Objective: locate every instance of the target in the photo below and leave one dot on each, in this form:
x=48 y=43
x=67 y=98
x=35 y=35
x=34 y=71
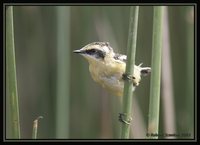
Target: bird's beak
x=77 y=51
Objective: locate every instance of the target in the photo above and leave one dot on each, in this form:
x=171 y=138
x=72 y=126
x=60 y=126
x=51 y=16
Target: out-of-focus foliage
x=93 y=113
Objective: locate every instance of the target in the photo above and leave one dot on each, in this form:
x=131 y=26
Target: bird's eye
x=91 y=51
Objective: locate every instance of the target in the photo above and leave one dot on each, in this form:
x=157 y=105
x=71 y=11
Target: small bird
x=108 y=68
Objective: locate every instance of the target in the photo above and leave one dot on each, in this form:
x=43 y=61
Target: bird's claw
x=127 y=77
x=121 y=119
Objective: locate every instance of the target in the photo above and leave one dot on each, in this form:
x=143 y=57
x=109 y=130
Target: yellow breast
x=109 y=75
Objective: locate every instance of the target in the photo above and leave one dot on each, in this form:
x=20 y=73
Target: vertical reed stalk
x=63 y=72
x=131 y=51
x=190 y=70
x=154 y=106
x=11 y=80
x=167 y=81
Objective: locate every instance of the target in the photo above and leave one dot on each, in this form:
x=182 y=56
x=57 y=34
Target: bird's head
x=96 y=51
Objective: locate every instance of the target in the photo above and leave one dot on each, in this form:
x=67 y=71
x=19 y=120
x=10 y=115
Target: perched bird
x=108 y=68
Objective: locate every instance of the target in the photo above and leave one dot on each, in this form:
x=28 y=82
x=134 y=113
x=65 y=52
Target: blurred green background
x=56 y=84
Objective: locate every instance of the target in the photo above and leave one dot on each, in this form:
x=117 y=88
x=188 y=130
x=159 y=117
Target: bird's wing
x=120 y=57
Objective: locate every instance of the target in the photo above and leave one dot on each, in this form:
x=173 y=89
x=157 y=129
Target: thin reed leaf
x=11 y=80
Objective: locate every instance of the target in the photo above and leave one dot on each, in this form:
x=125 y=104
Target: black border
x=100 y=4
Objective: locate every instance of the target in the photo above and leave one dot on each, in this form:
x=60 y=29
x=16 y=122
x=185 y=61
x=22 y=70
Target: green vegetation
x=128 y=86
x=63 y=73
x=11 y=80
x=154 y=106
